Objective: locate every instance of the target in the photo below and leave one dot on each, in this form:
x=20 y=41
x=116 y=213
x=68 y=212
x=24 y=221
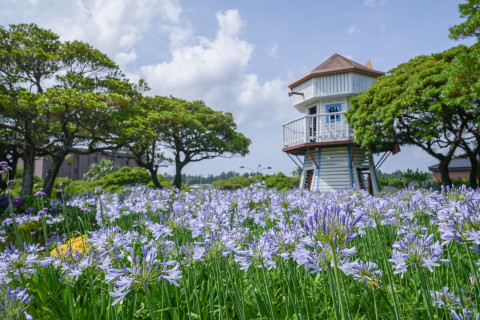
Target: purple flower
x=332 y=226
x=415 y=250
x=40 y=194
x=443 y=298
x=143 y=271
x=259 y=253
x=17 y=201
x=14 y=302
x=3 y=201
x=466 y=314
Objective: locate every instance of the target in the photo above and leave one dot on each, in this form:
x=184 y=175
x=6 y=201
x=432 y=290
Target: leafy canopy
x=471 y=26
x=192 y=132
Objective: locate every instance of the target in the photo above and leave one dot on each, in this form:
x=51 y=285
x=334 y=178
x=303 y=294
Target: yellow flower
x=75 y=244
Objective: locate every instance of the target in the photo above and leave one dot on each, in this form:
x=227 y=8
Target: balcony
x=319 y=129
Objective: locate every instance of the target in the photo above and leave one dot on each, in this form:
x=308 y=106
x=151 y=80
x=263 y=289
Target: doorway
x=308 y=179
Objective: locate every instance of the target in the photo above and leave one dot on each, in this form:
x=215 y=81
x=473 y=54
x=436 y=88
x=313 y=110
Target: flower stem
x=337 y=282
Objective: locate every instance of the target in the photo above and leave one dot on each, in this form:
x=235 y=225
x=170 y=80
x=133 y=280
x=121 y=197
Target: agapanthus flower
x=321 y=258
x=259 y=253
x=416 y=250
x=466 y=314
x=285 y=239
x=14 y=302
x=368 y=273
x=333 y=226
x=143 y=271
x=15 y=262
x=443 y=298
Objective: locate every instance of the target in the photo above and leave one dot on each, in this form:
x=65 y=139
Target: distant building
x=458 y=168
x=82 y=163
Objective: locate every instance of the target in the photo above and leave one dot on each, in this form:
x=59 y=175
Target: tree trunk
x=28 y=171
x=443 y=168
x=478 y=174
x=473 y=171
x=177 y=181
x=153 y=174
x=57 y=161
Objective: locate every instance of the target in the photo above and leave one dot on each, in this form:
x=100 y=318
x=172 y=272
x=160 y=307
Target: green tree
x=54 y=122
x=463 y=90
x=192 y=132
x=79 y=122
x=464 y=83
x=28 y=57
x=471 y=26
x=141 y=128
x=408 y=106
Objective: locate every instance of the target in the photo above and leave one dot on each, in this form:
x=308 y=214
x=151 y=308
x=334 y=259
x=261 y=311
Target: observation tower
x=320 y=139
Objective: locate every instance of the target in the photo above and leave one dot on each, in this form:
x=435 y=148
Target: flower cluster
x=144 y=270
x=14 y=302
x=14 y=262
x=416 y=250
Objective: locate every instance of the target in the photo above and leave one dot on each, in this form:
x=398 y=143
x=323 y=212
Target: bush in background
x=401 y=179
x=278 y=181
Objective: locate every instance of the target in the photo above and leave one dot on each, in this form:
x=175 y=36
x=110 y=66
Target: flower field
x=253 y=253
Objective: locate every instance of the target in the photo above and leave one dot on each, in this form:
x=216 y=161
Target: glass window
x=333 y=108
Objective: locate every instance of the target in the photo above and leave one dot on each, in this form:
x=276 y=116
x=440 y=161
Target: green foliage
x=400 y=179
x=232 y=183
x=409 y=105
x=99 y=170
x=278 y=181
x=113 y=182
x=86 y=90
x=471 y=26
x=191 y=131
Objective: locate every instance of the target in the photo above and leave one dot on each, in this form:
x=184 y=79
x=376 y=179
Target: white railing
x=324 y=127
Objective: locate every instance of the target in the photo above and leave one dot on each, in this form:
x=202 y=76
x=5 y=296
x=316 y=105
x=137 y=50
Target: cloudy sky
x=239 y=56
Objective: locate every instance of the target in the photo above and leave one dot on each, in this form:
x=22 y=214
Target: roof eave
x=332 y=71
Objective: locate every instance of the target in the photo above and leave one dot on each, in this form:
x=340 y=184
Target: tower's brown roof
x=336 y=64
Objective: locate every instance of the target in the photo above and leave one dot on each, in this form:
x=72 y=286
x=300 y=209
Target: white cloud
x=272 y=50
x=214 y=70
x=124 y=58
x=353 y=29
x=114 y=27
x=262 y=103
x=230 y=23
x=373 y=3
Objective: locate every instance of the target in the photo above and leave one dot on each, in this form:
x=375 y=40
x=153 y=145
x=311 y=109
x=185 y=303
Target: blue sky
x=239 y=56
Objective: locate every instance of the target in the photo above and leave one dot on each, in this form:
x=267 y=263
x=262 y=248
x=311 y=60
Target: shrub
x=278 y=181
x=232 y=183
x=113 y=182
x=100 y=170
